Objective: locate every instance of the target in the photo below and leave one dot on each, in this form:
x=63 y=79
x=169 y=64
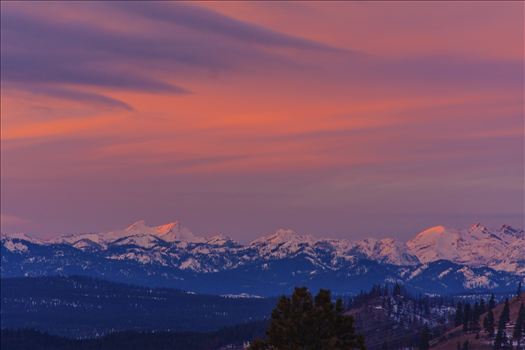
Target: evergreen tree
x=482 y=306
x=505 y=314
x=458 y=319
x=303 y=322
x=501 y=339
x=501 y=336
x=474 y=319
x=386 y=292
x=519 y=326
x=488 y=323
x=424 y=339
x=397 y=290
x=466 y=317
x=492 y=302
x=427 y=308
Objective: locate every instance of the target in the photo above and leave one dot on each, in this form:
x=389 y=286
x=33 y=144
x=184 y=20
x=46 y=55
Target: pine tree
x=501 y=339
x=505 y=314
x=488 y=323
x=519 y=326
x=501 y=336
x=424 y=339
x=304 y=322
x=386 y=292
x=458 y=319
x=397 y=289
x=492 y=302
x=474 y=319
x=482 y=306
x=466 y=317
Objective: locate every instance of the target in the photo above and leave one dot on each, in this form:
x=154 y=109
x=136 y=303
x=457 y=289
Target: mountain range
x=436 y=260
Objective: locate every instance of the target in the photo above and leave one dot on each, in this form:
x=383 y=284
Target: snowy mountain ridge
x=437 y=260
x=476 y=246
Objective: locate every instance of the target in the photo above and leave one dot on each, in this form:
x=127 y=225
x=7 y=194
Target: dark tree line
x=502 y=339
x=422 y=303
x=26 y=339
x=468 y=315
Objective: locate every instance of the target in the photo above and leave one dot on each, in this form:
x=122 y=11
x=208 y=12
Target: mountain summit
x=477 y=245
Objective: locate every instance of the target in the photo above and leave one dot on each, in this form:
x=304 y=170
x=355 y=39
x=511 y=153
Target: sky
x=338 y=119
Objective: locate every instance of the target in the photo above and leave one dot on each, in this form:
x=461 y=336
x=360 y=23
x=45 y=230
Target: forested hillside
x=230 y=338
x=486 y=327
x=85 y=307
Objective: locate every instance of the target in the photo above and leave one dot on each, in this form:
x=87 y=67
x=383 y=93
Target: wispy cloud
x=213 y=23
x=39 y=49
x=90 y=98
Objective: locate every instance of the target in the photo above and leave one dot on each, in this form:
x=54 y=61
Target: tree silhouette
x=492 y=302
x=424 y=339
x=397 y=289
x=474 y=319
x=505 y=314
x=466 y=317
x=501 y=341
x=458 y=320
x=488 y=323
x=306 y=323
x=482 y=306
x=519 y=326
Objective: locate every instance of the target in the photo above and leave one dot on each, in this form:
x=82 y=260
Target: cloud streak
x=212 y=22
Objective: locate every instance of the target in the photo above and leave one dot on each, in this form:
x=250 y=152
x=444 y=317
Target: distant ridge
x=438 y=259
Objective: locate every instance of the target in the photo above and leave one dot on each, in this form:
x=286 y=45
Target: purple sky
x=335 y=119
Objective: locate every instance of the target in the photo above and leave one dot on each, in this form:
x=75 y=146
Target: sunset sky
x=336 y=119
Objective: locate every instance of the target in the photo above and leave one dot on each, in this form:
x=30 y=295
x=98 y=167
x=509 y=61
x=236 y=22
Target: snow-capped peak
x=477 y=245
x=283 y=236
x=511 y=231
x=169 y=227
x=478 y=229
x=385 y=250
x=140 y=227
x=14 y=242
x=136 y=227
x=174 y=232
x=431 y=233
x=435 y=243
x=218 y=240
x=138 y=233
x=283 y=243
x=170 y=232
x=19 y=236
